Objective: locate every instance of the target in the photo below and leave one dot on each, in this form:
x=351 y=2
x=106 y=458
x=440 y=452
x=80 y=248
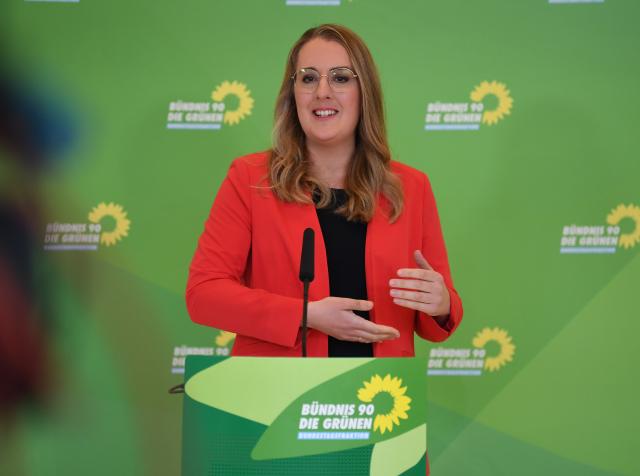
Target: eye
x=341 y=76
x=307 y=78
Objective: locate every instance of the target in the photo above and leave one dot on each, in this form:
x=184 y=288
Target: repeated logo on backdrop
x=222 y=347
x=490 y=102
x=107 y=225
x=492 y=349
x=229 y=103
x=621 y=230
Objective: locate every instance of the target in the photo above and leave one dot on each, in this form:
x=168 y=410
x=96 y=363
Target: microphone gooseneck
x=307 y=267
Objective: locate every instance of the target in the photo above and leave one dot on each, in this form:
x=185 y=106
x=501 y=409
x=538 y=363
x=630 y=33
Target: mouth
x=325 y=112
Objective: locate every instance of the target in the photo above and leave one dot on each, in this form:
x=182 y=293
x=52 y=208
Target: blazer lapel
x=298 y=218
x=385 y=252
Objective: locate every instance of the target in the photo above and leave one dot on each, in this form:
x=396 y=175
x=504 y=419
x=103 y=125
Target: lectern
x=291 y=416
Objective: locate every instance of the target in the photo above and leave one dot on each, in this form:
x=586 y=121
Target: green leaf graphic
x=235 y=385
x=397 y=455
x=285 y=437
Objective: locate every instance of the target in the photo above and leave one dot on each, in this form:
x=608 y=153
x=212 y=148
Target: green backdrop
x=523 y=114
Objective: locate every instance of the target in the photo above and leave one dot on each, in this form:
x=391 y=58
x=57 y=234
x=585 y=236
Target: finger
x=412 y=296
x=354 y=304
x=428 y=287
x=424 y=274
x=367 y=337
x=418 y=306
x=421 y=260
x=363 y=325
x=417 y=284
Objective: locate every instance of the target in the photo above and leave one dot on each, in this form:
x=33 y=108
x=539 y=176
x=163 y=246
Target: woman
x=379 y=248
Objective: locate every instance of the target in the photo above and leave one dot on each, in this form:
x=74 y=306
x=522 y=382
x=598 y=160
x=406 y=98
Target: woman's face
x=327 y=117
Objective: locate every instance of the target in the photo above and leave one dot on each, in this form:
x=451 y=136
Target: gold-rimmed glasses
x=340 y=79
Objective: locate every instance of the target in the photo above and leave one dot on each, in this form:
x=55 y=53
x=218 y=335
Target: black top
x=344 y=242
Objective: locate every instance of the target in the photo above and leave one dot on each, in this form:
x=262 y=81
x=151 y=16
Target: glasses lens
x=341 y=78
x=307 y=79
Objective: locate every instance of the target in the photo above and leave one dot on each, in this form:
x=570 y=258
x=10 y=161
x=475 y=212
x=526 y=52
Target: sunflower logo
x=224 y=338
x=245 y=101
x=499 y=336
x=500 y=91
x=392 y=388
x=627 y=240
x=118 y=214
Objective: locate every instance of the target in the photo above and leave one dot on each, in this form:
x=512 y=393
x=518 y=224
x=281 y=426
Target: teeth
x=325 y=113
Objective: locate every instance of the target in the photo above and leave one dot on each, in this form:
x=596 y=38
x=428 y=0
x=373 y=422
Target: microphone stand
x=306 y=276
x=305 y=304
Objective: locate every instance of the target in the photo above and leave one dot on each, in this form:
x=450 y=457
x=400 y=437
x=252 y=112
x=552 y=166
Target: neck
x=329 y=163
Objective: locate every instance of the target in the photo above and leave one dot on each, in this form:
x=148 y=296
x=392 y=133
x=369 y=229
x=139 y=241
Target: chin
x=325 y=139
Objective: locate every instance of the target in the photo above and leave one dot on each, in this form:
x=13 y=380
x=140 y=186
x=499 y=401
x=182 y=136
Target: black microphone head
x=306 y=258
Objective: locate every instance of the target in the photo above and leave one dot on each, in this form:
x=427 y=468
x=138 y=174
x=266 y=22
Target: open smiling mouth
x=325 y=112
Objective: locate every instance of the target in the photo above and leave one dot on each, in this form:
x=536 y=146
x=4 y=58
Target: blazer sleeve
x=434 y=250
x=217 y=294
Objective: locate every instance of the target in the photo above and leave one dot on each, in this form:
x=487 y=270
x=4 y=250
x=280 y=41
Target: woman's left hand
x=421 y=288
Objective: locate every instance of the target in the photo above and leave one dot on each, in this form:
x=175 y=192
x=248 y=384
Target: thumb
x=421 y=260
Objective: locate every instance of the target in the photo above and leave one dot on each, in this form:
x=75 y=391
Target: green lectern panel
x=278 y=416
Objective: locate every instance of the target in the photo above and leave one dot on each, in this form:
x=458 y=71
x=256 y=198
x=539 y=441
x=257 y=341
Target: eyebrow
x=333 y=67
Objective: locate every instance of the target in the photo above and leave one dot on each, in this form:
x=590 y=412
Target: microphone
x=306 y=258
x=306 y=276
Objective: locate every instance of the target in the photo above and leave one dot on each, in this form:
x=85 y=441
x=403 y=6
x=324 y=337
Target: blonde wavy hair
x=369 y=170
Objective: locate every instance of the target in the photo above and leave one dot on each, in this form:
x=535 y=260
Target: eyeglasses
x=340 y=79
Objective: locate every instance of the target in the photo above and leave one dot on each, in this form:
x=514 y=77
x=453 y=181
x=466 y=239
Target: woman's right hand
x=334 y=316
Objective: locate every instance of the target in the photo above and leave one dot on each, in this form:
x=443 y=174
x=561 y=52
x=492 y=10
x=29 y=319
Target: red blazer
x=244 y=274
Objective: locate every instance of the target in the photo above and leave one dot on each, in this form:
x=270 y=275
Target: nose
x=324 y=88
